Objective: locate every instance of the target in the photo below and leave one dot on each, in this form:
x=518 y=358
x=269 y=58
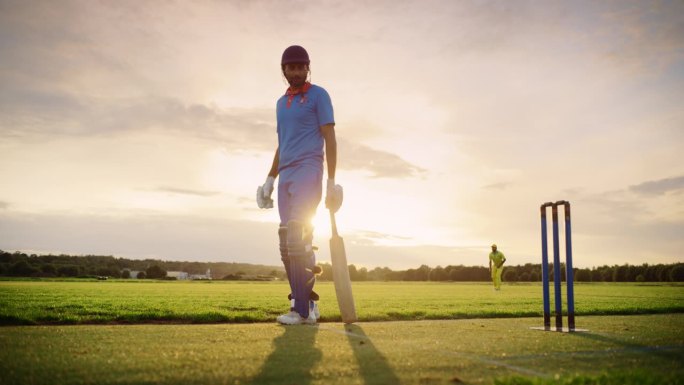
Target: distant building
x=134 y=274
x=201 y=276
x=179 y=275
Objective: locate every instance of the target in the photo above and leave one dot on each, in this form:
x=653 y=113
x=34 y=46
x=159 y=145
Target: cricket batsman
x=305 y=123
x=496 y=261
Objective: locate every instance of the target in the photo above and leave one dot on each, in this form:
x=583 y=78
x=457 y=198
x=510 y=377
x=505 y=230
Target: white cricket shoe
x=293 y=318
x=313 y=310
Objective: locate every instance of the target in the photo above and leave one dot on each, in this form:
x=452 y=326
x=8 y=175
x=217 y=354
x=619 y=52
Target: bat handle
x=333 y=223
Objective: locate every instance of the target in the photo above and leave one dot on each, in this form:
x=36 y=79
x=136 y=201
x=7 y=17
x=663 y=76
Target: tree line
x=19 y=264
x=24 y=265
x=529 y=272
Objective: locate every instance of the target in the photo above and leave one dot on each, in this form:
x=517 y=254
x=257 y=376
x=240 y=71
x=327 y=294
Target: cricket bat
x=340 y=271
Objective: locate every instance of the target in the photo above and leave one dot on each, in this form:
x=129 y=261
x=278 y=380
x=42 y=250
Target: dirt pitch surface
x=472 y=351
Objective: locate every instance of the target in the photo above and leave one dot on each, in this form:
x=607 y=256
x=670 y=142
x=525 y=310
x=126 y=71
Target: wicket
x=569 y=279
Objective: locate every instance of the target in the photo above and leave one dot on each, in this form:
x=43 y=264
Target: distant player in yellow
x=497 y=259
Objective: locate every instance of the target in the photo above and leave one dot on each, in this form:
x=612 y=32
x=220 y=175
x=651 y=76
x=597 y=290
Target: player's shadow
x=373 y=366
x=292 y=359
x=632 y=346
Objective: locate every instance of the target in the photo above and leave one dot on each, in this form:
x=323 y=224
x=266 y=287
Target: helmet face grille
x=295 y=54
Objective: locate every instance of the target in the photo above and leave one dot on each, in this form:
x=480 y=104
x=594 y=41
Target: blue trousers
x=299 y=193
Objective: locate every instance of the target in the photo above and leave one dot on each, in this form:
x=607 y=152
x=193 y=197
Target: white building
x=134 y=273
x=179 y=275
x=201 y=276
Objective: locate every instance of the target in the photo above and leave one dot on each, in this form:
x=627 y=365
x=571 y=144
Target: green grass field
x=124 y=301
x=619 y=349
x=138 y=332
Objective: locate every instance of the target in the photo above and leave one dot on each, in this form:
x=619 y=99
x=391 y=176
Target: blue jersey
x=299 y=122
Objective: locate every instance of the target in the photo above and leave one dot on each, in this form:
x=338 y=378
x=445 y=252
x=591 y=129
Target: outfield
x=446 y=333
x=125 y=301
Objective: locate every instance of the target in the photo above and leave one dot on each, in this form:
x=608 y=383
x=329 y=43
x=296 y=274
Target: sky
x=142 y=129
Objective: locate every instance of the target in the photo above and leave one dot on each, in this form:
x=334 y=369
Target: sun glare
x=368 y=213
x=371 y=214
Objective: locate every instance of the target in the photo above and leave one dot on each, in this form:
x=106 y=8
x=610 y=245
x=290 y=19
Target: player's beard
x=296 y=81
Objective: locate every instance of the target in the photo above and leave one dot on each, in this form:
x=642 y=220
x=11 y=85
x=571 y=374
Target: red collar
x=296 y=91
x=291 y=92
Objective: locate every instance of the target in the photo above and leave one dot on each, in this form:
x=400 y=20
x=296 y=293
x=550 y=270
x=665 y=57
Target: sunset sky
x=142 y=129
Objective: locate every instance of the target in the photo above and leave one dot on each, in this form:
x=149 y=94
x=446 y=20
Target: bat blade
x=340 y=271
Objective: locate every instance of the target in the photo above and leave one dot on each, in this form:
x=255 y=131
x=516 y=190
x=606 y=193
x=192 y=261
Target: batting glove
x=334 y=194
x=263 y=196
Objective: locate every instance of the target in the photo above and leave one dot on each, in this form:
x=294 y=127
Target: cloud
x=243 y=129
x=641 y=215
x=497 y=186
x=380 y=164
x=642 y=36
x=410 y=257
x=374 y=238
x=4 y=205
x=188 y=191
x=659 y=187
x=29 y=114
x=94 y=86
x=235 y=128
x=144 y=235
x=615 y=207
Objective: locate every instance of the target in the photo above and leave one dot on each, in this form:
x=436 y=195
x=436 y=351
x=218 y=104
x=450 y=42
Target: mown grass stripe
x=468 y=356
x=86 y=302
